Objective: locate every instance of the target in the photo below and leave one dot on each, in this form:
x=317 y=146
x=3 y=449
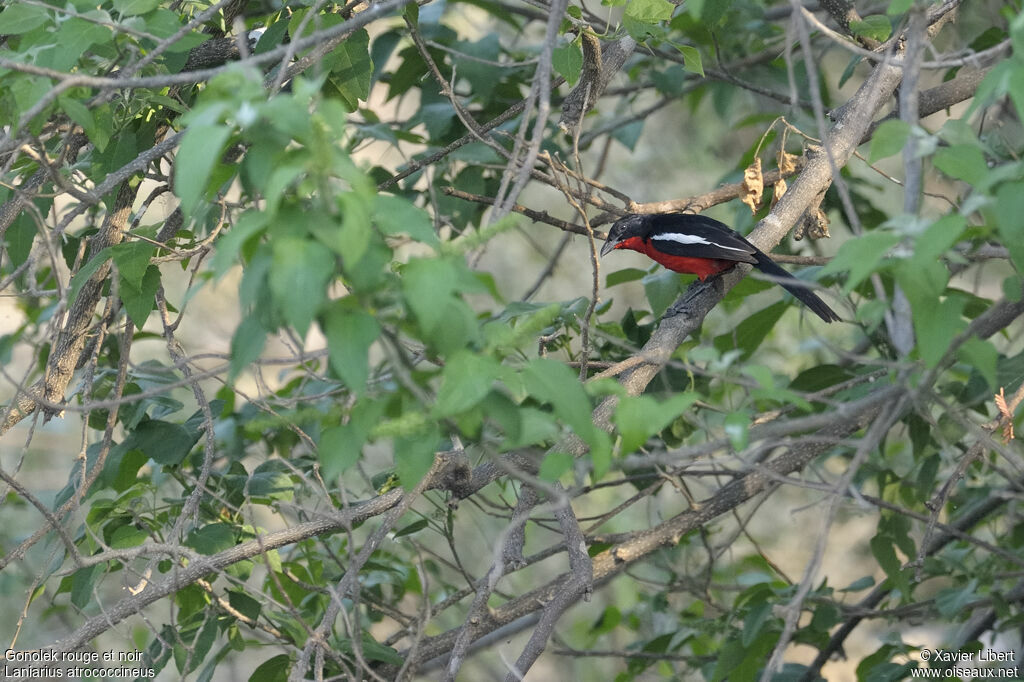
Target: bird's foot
x=684 y=304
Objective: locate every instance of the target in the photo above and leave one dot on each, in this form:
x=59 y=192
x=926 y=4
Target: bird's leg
x=684 y=304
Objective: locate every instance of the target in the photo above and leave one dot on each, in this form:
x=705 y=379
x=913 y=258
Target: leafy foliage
x=269 y=284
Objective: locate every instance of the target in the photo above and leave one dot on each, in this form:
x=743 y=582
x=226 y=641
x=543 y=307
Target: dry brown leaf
x=1006 y=413
x=753 y=186
x=787 y=162
x=778 y=189
x=1000 y=399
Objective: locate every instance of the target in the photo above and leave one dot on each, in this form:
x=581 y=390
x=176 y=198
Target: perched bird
x=702 y=246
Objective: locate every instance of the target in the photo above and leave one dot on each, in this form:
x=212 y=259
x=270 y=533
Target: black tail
x=795 y=287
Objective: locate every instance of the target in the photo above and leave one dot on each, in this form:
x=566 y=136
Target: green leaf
x=476 y=66
x=1012 y=288
x=163 y=442
x=298 y=21
x=983 y=357
x=936 y=325
x=103 y=130
x=501 y=334
x=139 y=302
x=608 y=621
x=351 y=68
x=650 y=11
x=82 y=582
x=270 y=482
x=640 y=417
x=550 y=381
x=38 y=592
x=350 y=332
x=567 y=60
x=85 y=273
x=355 y=233
x=1008 y=210
x=74 y=38
x=755 y=620
x=128 y=536
x=737 y=429
x=341 y=446
x=885 y=554
x=897 y=527
x=623 y=276
x=413 y=527
x=132 y=260
x=127 y=473
x=710 y=12
x=953 y=601
x=164 y=23
x=923 y=281
x=897 y=7
x=200 y=150
x=395 y=215
x=7 y=342
x=81 y=115
x=860 y=257
x=19 y=238
x=820 y=377
x=876 y=27
x=889 y=139
x=430 y=287
x=412 y=13
x=128 y=8
x=337 y=451
x=409 y=424
x=277 y=182
x=860 y=584
x=373 y=651
x=203 y=642
x=248 y=225
x=212 y=538
x=691 y=59
x=414 y=455
x=749 y=333
x=554 y=465
x=244 y=604
x=246 y=345
x=662 y=288
x=851 y=68
x=298 y=279
x=640 y=31
x=274 y=669
x=963 y=162
x=468 y=379
x=18 y=18
x=534 y=427
x=938 y=238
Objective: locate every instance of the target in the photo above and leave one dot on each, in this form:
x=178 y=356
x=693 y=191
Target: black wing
x=697 y=236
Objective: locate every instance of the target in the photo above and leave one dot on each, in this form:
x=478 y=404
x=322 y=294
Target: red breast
x=702 y=267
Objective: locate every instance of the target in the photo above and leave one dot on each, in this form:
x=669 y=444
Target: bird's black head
x=632 y=225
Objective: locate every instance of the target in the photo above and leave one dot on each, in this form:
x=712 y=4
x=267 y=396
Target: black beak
x=608 y=247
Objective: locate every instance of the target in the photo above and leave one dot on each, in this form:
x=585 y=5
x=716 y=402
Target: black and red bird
x=698 y=245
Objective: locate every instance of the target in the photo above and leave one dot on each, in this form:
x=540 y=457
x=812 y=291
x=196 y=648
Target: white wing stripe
x=693 y=239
